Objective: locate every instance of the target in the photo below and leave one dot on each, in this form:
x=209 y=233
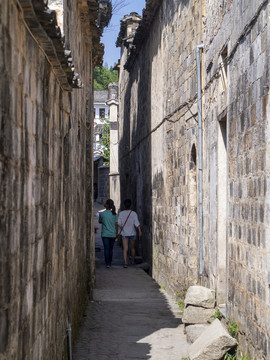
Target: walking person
x=128 y=223
x=109 y=229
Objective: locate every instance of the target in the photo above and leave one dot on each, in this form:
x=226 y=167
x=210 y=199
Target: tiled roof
x=100 y=96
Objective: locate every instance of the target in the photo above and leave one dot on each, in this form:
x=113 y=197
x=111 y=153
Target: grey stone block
x=195 y=331
x=212 y=344
x=197 y=315
x=200 y=296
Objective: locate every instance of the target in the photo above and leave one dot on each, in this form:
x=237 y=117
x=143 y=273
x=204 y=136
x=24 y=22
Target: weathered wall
x=44 y=180
x=243 y=104
x=135 y=166
x=159 y=152
x=158 y=171
x=103 y=183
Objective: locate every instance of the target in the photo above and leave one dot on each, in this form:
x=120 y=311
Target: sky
x=110 y=34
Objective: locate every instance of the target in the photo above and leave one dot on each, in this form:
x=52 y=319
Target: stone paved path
x=130 y=317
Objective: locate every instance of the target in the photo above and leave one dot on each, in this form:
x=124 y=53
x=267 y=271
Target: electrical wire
x=215 y=76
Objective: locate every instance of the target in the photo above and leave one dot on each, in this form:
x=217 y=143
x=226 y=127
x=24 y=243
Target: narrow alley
x=130 y=316
x=165 y=106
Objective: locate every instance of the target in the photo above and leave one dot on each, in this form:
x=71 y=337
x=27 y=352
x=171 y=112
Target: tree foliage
x=103 y=76
x=105 y=141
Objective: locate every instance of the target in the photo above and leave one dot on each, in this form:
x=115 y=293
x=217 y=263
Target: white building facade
x=101 y=114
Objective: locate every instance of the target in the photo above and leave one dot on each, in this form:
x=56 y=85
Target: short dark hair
x=127 y=203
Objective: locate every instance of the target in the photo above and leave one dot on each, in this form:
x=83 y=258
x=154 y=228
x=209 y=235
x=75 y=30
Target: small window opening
x=193 y=157
x=224 y=60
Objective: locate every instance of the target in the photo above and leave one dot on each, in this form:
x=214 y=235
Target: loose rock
x=195 y=331
x=200 y=296
x=197 y=315
x=212 y=344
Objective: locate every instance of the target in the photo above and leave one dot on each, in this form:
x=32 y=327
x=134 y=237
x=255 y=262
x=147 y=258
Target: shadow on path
x=130 y=317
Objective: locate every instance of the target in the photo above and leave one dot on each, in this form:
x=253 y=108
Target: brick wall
x=159 y=152
x=244 y=105
x=43 y=186
x=158 y=171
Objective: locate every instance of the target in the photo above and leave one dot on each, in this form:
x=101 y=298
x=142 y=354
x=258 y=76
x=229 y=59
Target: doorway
x=222 y=197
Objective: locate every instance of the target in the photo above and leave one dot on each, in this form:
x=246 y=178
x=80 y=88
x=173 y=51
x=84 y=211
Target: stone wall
x=159 y=151
x=157 y=134
x=45 y=180
x=103 y=183
x=241 y=108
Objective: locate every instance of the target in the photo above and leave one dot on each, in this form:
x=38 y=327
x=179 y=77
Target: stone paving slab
x=130 y=317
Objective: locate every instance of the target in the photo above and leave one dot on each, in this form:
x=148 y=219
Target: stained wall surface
x=157 y=134
x=159 y=152
x=236 y=48
x=45 y=132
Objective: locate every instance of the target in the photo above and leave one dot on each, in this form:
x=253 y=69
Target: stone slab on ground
x=197 y=315
x=212 y=344
x=130 y=317
x=200 y=296
x=195 y=331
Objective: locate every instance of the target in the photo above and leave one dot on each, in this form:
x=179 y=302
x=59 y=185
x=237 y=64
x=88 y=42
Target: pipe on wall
x=199 y=91
x=69 y=342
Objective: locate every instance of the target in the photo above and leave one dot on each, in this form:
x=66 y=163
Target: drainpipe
x=69 y=342
x=199 y=91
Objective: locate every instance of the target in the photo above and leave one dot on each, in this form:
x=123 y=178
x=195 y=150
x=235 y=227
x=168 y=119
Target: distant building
x=106 y=177
x=101 y=111
x=101 y=171
x=114 y=144
x=101 y=179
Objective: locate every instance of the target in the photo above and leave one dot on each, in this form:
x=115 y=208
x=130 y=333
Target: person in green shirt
x=109 y=229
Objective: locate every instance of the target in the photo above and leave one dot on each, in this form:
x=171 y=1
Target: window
x=224 y=56
x=193 y=157
x=102 y=113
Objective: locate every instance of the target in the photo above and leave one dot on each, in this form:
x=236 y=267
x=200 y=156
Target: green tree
x=105 y=141
x=103 y=76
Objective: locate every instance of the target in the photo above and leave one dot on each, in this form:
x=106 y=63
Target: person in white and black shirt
x=128 y=222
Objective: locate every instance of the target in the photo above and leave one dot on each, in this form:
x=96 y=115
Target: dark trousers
x=108 y=249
